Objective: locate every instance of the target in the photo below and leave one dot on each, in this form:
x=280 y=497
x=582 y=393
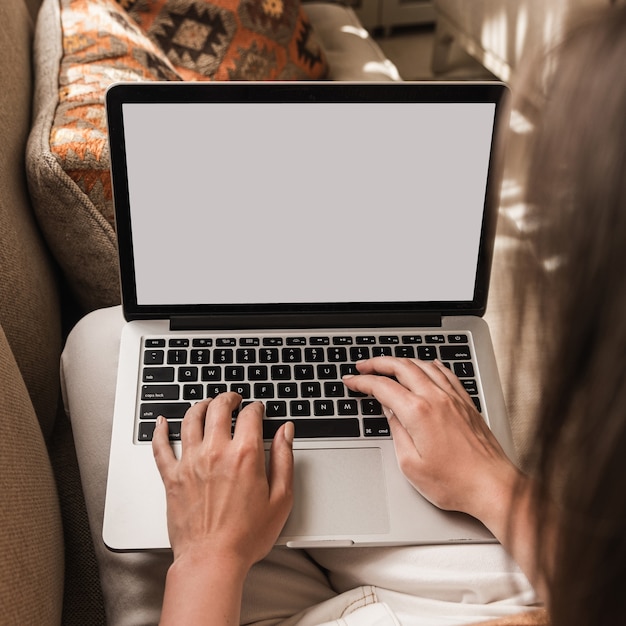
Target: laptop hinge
x=305 y=320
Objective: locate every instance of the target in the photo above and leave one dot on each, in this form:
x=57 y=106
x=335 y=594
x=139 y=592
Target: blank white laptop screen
x=272 y=203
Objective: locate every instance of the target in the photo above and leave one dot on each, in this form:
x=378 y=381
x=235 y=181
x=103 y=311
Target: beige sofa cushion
x=31 y=536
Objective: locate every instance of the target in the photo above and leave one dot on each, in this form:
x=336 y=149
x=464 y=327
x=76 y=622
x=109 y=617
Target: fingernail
x=289 y=432
x=346 y=376
x=160 y=420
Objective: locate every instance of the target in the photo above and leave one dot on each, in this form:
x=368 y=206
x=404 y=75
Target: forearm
x=203 y=590
x=511 y=517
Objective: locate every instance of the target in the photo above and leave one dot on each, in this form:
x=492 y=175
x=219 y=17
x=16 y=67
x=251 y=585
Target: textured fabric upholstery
x=31 y=537
x=29 y=313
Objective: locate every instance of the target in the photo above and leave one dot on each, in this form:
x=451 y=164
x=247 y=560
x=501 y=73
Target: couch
x=49 y=573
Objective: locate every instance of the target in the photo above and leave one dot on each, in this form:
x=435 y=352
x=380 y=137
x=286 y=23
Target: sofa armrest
x=352 y=54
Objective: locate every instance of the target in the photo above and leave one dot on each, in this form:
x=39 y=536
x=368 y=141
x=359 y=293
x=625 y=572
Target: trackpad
x=338 y=492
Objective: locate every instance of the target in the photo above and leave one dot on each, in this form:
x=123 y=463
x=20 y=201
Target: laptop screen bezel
x=305 y=92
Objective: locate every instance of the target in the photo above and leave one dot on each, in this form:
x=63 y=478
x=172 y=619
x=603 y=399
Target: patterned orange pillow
x=232 y=39
x=101 y=45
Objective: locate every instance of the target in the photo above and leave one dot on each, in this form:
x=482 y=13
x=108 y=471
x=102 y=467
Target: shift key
x=169 y=410
x=160 y=392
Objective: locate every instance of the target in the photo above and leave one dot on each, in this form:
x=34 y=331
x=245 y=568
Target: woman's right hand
x=444 y=447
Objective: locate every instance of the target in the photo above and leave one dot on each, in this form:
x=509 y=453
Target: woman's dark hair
x=576 y=188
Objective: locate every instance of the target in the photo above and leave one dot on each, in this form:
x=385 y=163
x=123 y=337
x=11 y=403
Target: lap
x=473 y=582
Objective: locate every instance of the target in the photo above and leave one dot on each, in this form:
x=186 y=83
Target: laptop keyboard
x=296 y=376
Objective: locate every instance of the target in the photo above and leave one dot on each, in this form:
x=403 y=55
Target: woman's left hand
x=220 y=498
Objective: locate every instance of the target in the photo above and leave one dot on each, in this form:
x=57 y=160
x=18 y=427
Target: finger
x=453 y=379
x=161 y=448
x=389 y=392
x=249 y=423
x=281 y=468
x=219 y=418
x=192 y=428
x=415 y=375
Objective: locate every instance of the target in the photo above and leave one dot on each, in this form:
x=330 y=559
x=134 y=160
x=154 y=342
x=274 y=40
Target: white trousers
x=425 y=585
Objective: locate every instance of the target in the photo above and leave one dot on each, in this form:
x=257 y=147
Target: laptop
x=271 y=235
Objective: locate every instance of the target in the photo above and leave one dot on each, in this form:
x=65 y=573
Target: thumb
x=281 y=467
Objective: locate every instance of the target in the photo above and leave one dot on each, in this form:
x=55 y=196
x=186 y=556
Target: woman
x=564 y=527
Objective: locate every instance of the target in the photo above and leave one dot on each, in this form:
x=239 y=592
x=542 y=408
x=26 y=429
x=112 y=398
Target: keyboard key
x=268 y=355
x=463 y=369
x=314 y=355
x=412 y=339
x=303 y=372
x=457 y=338
x=178 y=343
x=287 y=390
x=263 y=391
x=348 y=369
x=455 y=353
x=292 y=355
x=370 y=406
x=234 y=372
x=426 y=353
x=381 y=351
x=202 y=342
x=326 y=372
x=319 y=341
x=169 y=410
x=153 y=357
x=311 y=390
x=158 y=375
x=476 y=402
x=315 y=428
x=281 y=372
x=160 y=392
x=272 y=341
x=435 y=339
x=334 y=390
x=389 y=339
x=226 y=341
x=246 y=355
x=154 y=343
x=323 y=408
x=470 y=386
x=365 y=340
x=359 y=353
x=347 y=407
x=146 y=430
x=213 y=373
x=187 y=374
x=296 y=341
x=299 y=408
x=249 y=341
x=257 y=372
x=212 y=391
x=192 y=392
x=275 y=408
x=177 y=357
x=199 y=356
x=337 y=355
x=406 y=352
x=342 y=341
x=243 y=389
x=222 y=355
x=376 y=427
